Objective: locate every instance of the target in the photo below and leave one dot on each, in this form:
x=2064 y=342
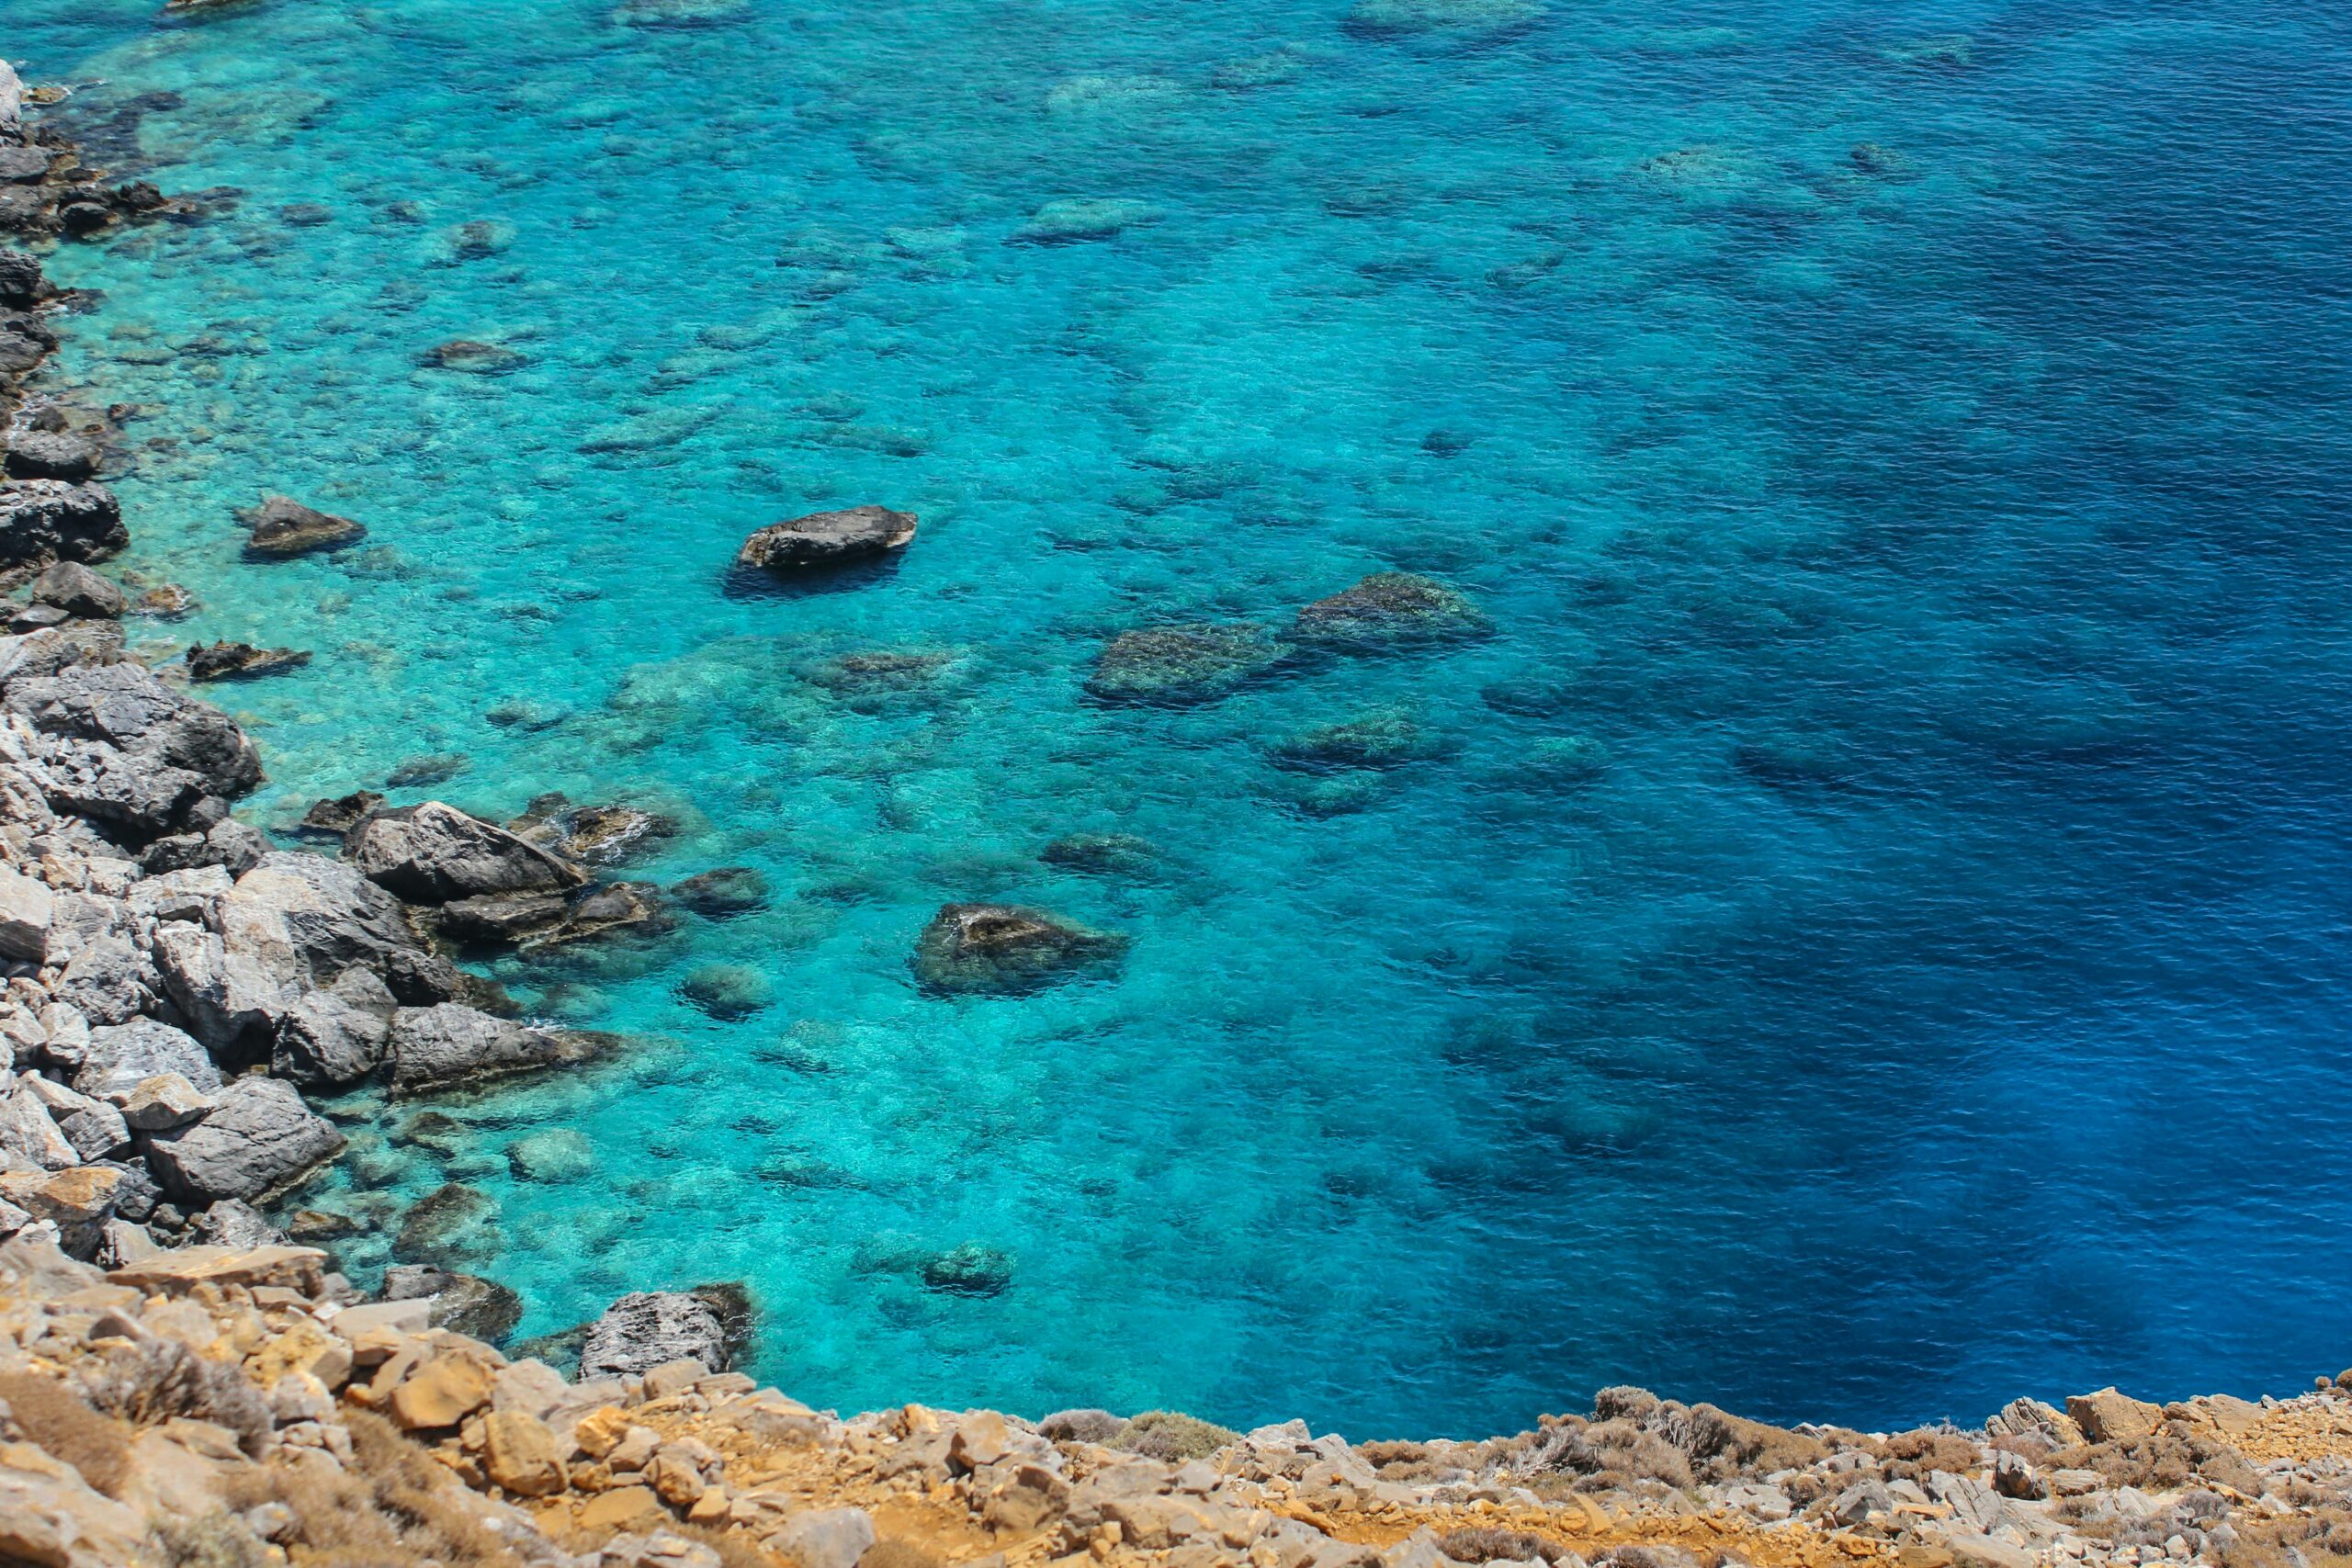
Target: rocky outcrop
x=281 y=528
x=651 y=1328
x=51 y=520
x=434 y=1047
x=827 y=538
x=1005 y=949
x=128 y=750
x=257 y=1138
x=74 y=587
x=433 y=853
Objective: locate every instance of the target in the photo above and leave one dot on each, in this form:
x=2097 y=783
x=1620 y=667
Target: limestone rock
x=519 y=1454
x=48 y=520
x=77 y=589
x=121 y=1058
x=2108 y=1417
x=78 y=1202
x=233 y=1001
x=827 y=538
x=306 y=920
x=325 y=1041
x=824 y=1538
x=26 y=909
x=29 y=1134
x=452 y=1043
x=183 y=1269
x=464 y=1304
x=646 y=1328
x=432 y=854
x=123 y=707
x=443 y=1391
x=240 y=660
x=259 y=1137
x=284 y=527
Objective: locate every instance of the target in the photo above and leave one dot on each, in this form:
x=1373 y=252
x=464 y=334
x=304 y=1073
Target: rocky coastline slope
x=183 y=1383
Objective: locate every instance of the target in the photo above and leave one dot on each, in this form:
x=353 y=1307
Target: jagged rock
x=166 y=601
x=122 y=1057
x=464 y=1304
x=258 y=1138
x=452 y=1043
x=50 y=455
x=970 y=948
x=646 y=1328
x=1390 y=608
x=119 y=717
x=335 y=818
x=21 y=284
x=241 y=660
x=74 y=587
x=104 y=982
x=31 y=1134
x=283 y=527
x=232 y=1000
x=47 y=520
x=2108 y=1417
x=166 y=1100
x=325 y=1041
x=78 y=1202
x=443 y=1391
x=595 y=835
x=234 y=1224
x=827 y=538
x=1186 y=663
x=308 y=920
x=26 y=908
x=95 y=1129
x=433 y=853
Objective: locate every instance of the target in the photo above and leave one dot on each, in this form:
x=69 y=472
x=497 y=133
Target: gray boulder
x=131 y=750
x=453 y=1043
x=646 y=1328
x=121 y=1058
x=77 y=589
x=105 y=982
x=825 y=1538
x=325 y=1041
x=29 y=1136
x=233 y=1223
x=463 y=1303
x=305 y=919
x=256 y=1140
x=47 y=520
x=433 y=853
x=50 y=455
x=827 y=538
x=232 y=1001
x=26 y=908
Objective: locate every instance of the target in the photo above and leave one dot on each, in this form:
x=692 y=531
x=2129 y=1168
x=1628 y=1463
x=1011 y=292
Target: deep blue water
x=1905 y=444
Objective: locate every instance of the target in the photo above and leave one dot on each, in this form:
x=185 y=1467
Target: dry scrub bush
x=1491 y=1543
x=1915 y=1455
x=53 y=1416
x=896 y=1554
x=149 y=1382
x=394 y=1508
x=1172 y=1437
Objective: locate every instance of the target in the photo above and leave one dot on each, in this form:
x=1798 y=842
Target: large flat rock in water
x=827 y=538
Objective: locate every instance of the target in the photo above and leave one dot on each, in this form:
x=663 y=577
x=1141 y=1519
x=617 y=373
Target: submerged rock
x=727 y=991
x=463 y=1303
x=1077 y=218
x=452 y=1223
x=675 y=13
x=433 y=852
x=1390 y=608
x=335 y=818
x=562 y=1155
x=970 y=1269
x=167 y=601
x=474 y=357
x=1102 y=854
x=1005 y=949
x=1184 y=662
x=593 y=835
x=423 y=773
x=1374 y=741
x=827 y=538
x=723 y=891
x=241 y=660
x=1381 y=17
x=283 y=527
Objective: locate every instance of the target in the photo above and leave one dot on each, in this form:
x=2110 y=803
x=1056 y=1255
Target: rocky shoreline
x=181 y=1382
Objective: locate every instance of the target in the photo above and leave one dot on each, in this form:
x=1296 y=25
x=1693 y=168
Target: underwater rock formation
x=1004 y=949
x=1183 y=663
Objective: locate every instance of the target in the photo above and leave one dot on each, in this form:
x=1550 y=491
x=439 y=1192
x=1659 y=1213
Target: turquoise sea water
x=1863 y=937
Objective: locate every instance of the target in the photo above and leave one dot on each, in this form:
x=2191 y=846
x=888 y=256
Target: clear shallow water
x=1939 y=995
